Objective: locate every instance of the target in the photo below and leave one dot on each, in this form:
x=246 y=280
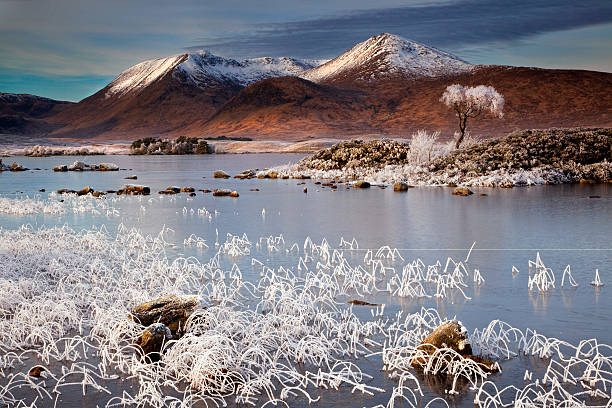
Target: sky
x=69 y=49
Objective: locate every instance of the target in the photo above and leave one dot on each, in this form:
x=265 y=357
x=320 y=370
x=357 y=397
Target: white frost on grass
x=65 y=297
x=72 y=204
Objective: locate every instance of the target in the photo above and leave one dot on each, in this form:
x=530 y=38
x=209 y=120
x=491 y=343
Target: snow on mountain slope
x=387 y=54
x=203 y=68
x=143 y=74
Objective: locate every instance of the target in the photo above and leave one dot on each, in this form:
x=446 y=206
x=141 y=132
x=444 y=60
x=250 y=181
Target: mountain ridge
x=385 y=85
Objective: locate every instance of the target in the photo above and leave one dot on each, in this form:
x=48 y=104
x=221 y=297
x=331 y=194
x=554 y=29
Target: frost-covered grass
x=52 y=205
x=552 y=156
x=278 y=335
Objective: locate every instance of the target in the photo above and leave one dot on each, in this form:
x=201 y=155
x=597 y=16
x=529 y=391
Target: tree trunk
x=462 y=125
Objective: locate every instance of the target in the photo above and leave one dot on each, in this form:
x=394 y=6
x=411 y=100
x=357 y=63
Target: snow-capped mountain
x=203 y=69
x=385 y=55
x=386 y=84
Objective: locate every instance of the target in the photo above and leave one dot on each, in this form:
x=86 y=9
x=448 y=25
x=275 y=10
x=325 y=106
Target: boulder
x=61 y=167
x=220 y=174
x=401 y=186
x=172 y=311
x=205 y=191
x=305 y=190
x=192 y=194
x=452 y=335
x=187 y=189
x=171 y=190
x=131 y=178
x=36 y=371
x=42 y=190
x=78 y=166
x=234 y=194
x=462 y=191
x=361 y=184
x=153 y=338
x=65 y=191
x=98 y=194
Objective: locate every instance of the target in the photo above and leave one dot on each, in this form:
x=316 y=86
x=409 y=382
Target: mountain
x=26 y=114
x=385 y=85
x=159 y=96
x=294 y=109
x=387 y=56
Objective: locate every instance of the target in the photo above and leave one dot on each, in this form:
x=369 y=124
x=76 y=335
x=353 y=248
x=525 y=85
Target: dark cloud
x=449 y=25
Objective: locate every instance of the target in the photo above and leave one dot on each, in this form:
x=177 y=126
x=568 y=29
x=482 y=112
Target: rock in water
x=36 y=371
x=220 y=174
x=17 y=167
x=400 y=186
x=361 y=184
x=454 y=336
x=462 y=191
x=152 y=339
x=450 y=335
x=187 y=189
x=107 y=167
x=85 y=191
x=173 y=311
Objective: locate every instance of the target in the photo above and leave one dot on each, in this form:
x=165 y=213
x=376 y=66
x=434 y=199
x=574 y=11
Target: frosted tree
x=471 y=102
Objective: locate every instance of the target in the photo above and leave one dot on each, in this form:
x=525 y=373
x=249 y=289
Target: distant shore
x=219 y=147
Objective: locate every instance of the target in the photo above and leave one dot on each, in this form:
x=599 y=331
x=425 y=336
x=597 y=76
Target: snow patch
x=390 y=54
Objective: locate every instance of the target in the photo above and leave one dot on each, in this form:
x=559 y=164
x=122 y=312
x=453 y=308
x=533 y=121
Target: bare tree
x=470 y=102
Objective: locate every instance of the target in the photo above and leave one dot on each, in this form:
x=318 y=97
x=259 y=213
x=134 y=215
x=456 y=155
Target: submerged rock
x=247 y=174
x=462 y=191
x=225 y=193
x=401 y=186
x=132 y=189
x=84 y=191
x=173 y=311
x=361 y=184
x=220 y=174
x=17 y=167
x=36 y=371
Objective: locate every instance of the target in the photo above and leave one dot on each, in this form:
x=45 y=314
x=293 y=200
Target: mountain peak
x=388 y=54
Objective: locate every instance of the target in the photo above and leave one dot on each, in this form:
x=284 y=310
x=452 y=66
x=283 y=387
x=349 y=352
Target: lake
x=508 y=226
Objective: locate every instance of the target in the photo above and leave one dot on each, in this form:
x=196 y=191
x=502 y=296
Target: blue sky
x=67 y=49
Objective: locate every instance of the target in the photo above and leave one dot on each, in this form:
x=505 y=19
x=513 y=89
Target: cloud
x=447 y=25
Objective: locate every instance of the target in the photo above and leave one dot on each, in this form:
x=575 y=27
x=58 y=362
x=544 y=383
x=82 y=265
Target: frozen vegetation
x=53 y=205
x=182 y=145
x=529 y=157
x=65 y=298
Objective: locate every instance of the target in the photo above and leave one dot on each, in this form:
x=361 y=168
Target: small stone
x=401 y=186
x=220 y=174
x=462 y=191
x=36 y=371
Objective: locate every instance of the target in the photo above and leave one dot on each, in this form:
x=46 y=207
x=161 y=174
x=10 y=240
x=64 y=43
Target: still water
x=509 y=226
